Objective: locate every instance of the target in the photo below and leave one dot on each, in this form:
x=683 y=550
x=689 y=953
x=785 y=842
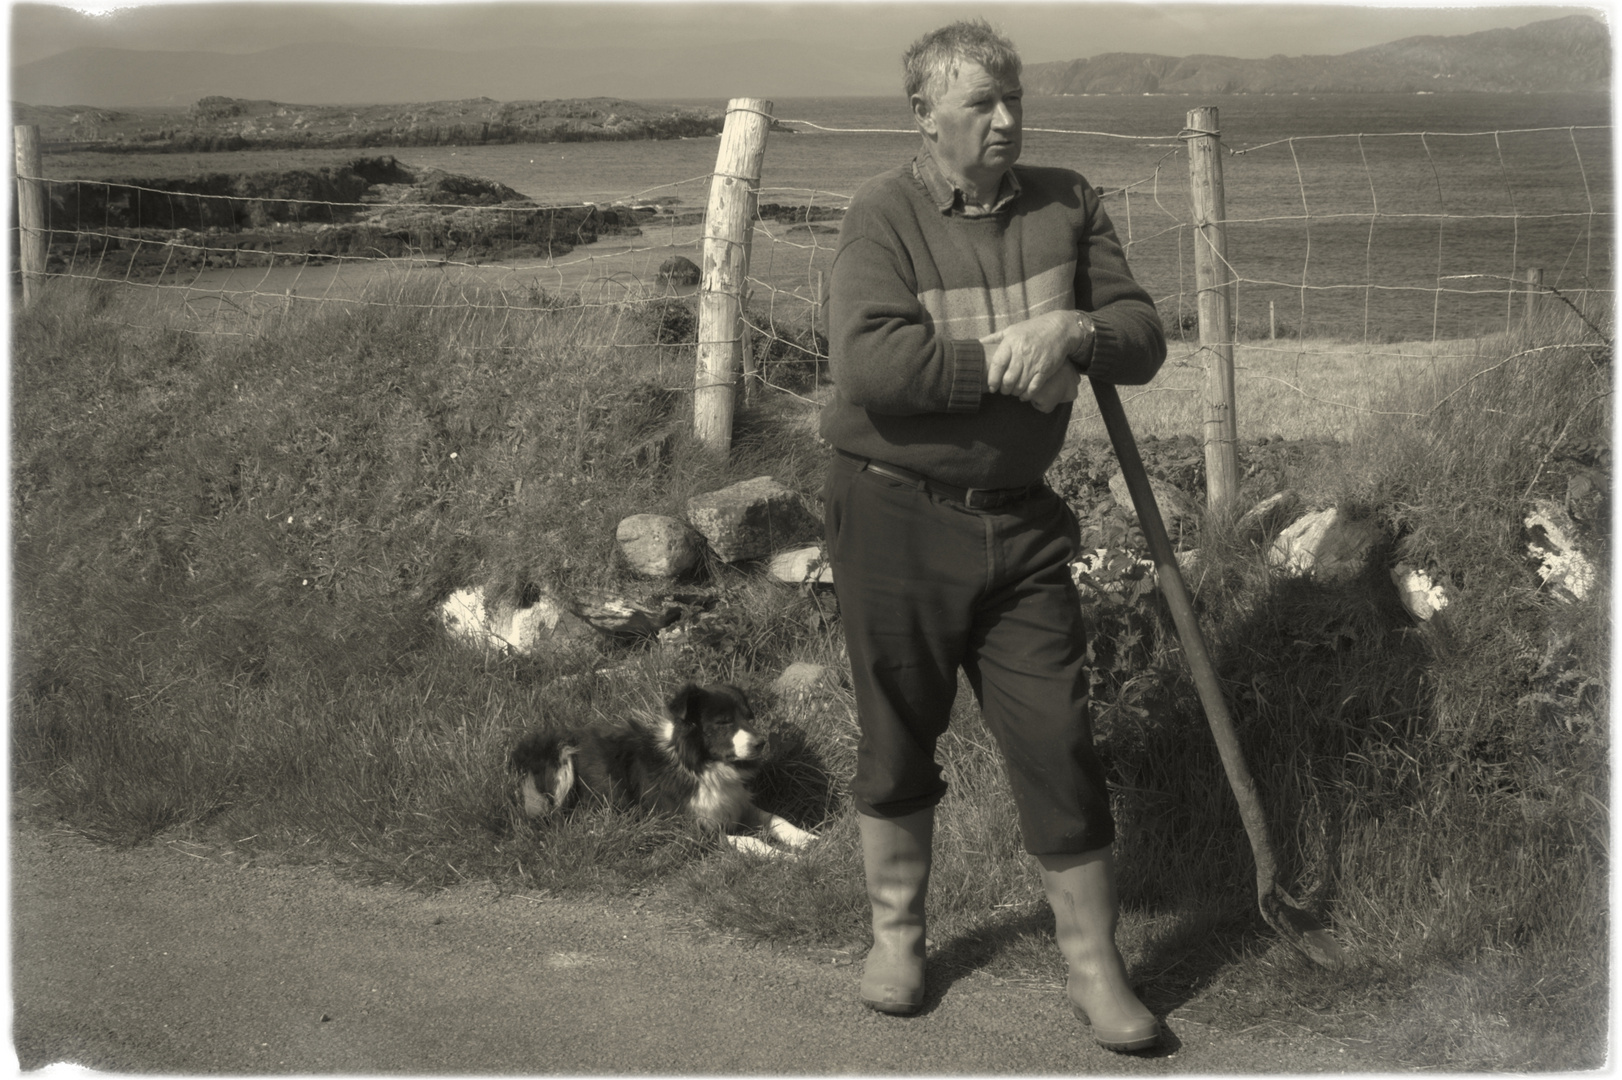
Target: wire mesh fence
x=1403 y=245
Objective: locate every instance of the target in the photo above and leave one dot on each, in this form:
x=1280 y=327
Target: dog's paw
x=750 y=845
x=792 y=835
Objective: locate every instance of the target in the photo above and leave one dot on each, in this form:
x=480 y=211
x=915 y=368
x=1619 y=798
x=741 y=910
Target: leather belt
x=973 y=498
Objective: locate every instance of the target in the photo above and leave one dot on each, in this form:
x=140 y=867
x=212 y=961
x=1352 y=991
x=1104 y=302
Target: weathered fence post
x=728 y=224
x=31 y=238
x=1534 y=293
x=1212 y=276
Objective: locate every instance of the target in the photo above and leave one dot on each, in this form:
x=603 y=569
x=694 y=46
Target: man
x=968 y=298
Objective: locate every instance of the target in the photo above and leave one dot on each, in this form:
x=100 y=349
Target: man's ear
x=923 y=114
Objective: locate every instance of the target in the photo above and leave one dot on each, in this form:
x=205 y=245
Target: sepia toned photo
x=810 y=538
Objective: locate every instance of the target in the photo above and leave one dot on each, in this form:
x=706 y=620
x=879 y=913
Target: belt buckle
x=972 y=501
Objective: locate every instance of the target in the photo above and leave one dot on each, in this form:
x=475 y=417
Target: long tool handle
x=1188 y=631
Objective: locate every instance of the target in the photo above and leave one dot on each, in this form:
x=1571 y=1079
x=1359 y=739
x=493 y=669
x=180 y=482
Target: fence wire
x=1403 y=248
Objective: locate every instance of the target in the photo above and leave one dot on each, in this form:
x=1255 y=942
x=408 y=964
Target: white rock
x=525 y=630
x=801 y=566
x=462 y=615
x=1328 y=545
x=1421 y=594
x=1552 y=541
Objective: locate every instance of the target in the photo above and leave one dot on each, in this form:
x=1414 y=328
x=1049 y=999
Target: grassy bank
x=228 y=552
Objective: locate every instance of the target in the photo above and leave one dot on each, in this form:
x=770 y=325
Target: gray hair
x=929 y=63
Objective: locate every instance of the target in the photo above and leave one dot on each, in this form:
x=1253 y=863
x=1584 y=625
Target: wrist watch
x=1084 y=357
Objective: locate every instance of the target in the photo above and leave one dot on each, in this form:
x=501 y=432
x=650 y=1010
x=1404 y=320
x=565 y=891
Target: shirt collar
x=949 y=198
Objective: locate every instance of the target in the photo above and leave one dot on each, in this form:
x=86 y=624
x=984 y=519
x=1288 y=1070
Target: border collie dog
x=697 y=760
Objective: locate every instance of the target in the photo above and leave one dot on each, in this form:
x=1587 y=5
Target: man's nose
x=1004 y=118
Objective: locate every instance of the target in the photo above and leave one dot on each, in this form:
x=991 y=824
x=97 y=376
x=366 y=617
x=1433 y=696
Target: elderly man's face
x=975 y=126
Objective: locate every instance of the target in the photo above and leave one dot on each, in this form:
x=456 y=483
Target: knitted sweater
x=916 y=284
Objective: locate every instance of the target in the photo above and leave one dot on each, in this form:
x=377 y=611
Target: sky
x=38 y=31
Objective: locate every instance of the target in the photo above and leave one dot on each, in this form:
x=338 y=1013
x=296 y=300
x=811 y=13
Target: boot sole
x=1123 y=1044
x=893 y=1008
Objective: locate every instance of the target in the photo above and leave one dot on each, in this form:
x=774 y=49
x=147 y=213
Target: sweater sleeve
x=885 y=351
x=1129 y=343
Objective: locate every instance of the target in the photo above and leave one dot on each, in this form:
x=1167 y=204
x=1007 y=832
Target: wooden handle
x=1188 y=632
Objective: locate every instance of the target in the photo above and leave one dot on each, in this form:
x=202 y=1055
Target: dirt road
x=153 y=960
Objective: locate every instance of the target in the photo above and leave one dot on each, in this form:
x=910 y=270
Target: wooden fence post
x=1534 y=293
x=31 y=234
x=1212 y=277
x=728 y=225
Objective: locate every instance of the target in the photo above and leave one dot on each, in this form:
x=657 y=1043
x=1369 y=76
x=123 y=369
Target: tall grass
x=228 y=552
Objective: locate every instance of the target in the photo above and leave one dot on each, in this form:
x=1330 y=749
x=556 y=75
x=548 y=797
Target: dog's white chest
x=720 y=796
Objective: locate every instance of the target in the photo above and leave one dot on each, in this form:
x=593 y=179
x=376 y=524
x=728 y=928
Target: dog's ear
x=687 y=706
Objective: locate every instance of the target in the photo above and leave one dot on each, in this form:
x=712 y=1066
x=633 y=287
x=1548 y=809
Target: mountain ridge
x=1555 y=55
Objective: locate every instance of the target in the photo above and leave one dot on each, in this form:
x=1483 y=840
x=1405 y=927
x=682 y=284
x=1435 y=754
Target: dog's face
x=720 y=718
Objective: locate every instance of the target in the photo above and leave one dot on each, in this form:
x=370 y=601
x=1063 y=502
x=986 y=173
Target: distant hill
x=222 y=123
x=1569 y=54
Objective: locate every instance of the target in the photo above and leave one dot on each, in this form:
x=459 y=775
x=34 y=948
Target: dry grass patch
x=1311 y=389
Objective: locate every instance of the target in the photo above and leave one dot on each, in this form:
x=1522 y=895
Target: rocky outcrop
x=370 y=208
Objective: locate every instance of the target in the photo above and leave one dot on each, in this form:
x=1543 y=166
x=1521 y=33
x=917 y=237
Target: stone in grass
x=1552 y=541
x=1262 y=521
x=1179 y=512
x=752 y=519
x=1330 y=546
x=549 y=625
x=617 y=617
x=801 y=679
x=680 y=270
x=1421 y=593
x=546 y=625
x=658 y=546
x=802 y=566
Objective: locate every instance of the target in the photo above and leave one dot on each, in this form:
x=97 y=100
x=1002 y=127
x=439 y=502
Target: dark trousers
x=925 y=586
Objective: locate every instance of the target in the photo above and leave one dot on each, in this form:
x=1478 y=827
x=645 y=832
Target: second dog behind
x=697 y=760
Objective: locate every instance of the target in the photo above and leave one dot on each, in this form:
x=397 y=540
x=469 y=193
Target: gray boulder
x=1180 y=513
x=1262 y=521
x=801 y=680
x=752 y=519
x=680 y=270
x=657 y=546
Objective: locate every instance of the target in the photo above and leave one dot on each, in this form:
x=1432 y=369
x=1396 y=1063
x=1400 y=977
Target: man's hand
x=1021 y=358
x=1058 y=388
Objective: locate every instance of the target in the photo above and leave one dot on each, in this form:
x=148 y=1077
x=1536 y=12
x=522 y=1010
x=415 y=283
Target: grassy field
x=228 y=551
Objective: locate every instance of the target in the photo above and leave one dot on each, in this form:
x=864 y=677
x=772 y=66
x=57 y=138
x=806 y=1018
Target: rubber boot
x=896 y=855
x=1081 y=889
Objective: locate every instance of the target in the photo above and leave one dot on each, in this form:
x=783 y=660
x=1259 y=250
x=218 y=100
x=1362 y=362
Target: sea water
x=1365 y=215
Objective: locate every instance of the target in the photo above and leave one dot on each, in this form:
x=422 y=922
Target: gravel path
x=154 y=960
